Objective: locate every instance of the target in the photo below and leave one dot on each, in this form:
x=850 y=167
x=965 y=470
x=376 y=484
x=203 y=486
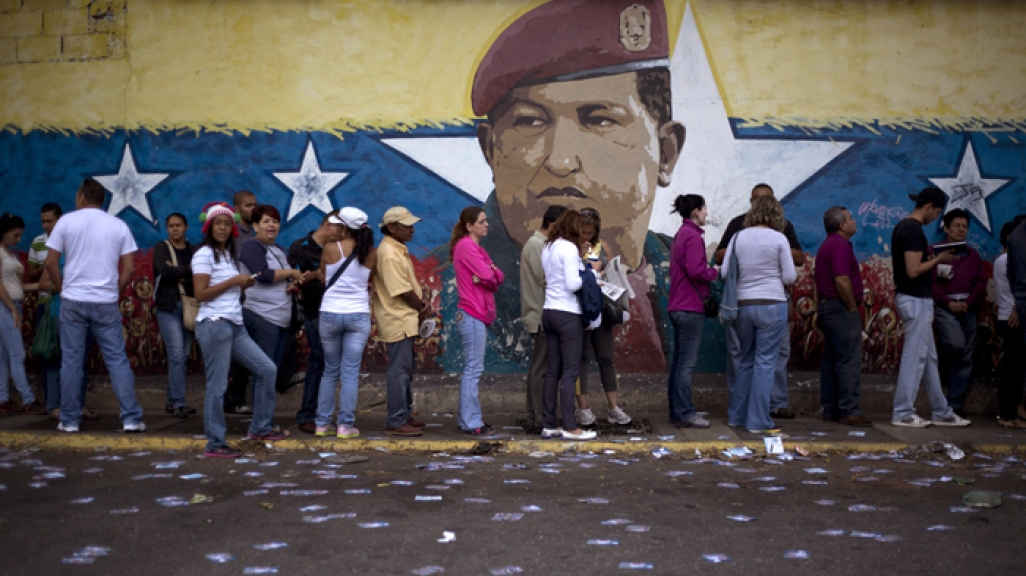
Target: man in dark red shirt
x=958 y=288
x=839 y=286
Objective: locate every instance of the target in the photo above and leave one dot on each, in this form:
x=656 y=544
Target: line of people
x=242 y=297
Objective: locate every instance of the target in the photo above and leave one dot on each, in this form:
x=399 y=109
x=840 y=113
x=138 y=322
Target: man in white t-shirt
x=94 y=243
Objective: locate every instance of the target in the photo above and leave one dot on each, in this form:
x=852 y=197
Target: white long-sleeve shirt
x=764 y=263
x=562 y=265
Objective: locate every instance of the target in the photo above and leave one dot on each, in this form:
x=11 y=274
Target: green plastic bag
x=47 y=344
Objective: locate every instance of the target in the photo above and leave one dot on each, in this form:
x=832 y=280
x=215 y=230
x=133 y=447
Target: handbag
x=190 y=305
x=47 y=344
x=729 y=308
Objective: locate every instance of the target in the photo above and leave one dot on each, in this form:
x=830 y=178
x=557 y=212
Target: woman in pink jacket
x=477 y=279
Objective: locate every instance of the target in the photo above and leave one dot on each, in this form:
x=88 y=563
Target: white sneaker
x=70 y=428
x=584 y=435
x=134 y=427
x=552 y=433
x=618 y=416
x=912 y=421
x=585 y=417
x=954 y=421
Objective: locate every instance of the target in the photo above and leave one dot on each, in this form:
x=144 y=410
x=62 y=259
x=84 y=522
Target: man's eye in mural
x=528 y=121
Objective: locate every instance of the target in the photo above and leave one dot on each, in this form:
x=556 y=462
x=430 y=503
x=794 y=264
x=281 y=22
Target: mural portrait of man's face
x=595 y=142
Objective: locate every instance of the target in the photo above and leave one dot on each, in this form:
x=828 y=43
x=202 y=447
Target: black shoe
x=184 y=412
x=785 y=412
x=826 y=418
x=169 y=408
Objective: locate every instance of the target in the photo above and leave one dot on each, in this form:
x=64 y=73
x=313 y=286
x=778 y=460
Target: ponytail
x=364 y=237
x=469 y=215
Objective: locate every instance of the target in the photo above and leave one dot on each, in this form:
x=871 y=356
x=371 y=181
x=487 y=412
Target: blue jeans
x=687 y=337
x=12 y=357
x=956 y=341
x=221 y=342
x=178 y=344
x=344 y=337
x=270 y=338
x=841 y=366
x=475 y=336
x=314 y=371
x=78 y=320
x=760 y=329
x=918 y=359
x=778 y=396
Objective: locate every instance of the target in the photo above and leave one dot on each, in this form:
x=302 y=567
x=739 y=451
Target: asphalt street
x=577 y=513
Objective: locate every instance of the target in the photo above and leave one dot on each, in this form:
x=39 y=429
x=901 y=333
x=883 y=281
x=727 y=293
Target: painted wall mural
x=376 y=104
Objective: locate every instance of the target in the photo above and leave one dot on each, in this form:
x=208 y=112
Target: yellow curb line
x=134 y=442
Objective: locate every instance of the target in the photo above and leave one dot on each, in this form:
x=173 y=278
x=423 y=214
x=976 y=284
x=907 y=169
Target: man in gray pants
x=532 y=299
x=399 y=304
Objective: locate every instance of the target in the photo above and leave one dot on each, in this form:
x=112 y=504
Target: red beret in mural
x=572 y=40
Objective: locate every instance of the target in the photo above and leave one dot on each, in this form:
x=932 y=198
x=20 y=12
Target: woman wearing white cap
x=345 y=319
x=218 y=284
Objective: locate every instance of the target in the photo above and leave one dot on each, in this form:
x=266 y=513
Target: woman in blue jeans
x=344 y=320
x=218 y=286
x=690 y=276
x=12 y=348
x=477 y=279
x=172 y=261
x=765 y=266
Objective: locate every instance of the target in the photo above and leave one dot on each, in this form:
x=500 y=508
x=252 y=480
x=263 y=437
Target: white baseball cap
x=350 y=218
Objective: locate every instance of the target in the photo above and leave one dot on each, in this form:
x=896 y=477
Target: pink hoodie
x=477 y=299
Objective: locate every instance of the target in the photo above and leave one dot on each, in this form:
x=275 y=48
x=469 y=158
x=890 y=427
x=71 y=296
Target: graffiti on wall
x=556 y=124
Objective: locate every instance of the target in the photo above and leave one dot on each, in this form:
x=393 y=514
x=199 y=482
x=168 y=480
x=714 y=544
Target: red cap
x=572 y=40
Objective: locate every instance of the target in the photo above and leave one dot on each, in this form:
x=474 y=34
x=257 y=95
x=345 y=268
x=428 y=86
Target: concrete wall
x=855 y=103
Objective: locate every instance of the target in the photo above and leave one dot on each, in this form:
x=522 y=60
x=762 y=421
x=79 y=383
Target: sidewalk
x=648 y=432
x=505 y=393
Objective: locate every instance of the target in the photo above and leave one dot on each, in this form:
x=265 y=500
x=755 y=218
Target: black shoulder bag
x=341 y=269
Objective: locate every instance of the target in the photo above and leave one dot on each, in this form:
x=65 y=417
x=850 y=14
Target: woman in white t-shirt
x=1013 y=347
x=765 y=266
x=563 y=325
x=345 y=319
x=12 y=348
x=267 y=312
x=218 y=285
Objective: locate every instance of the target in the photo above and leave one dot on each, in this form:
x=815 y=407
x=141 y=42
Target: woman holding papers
x=599 y=339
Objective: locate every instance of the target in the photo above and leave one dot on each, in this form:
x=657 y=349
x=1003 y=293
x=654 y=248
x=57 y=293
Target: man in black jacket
x=305 y=255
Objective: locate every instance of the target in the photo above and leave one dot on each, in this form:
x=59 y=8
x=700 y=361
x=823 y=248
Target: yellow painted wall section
x=329 y=65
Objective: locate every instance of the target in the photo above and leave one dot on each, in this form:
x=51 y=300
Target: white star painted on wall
x=458 y=161
x=969 y=190
x=714 y=163
x=128 y=188
x=310 y=186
